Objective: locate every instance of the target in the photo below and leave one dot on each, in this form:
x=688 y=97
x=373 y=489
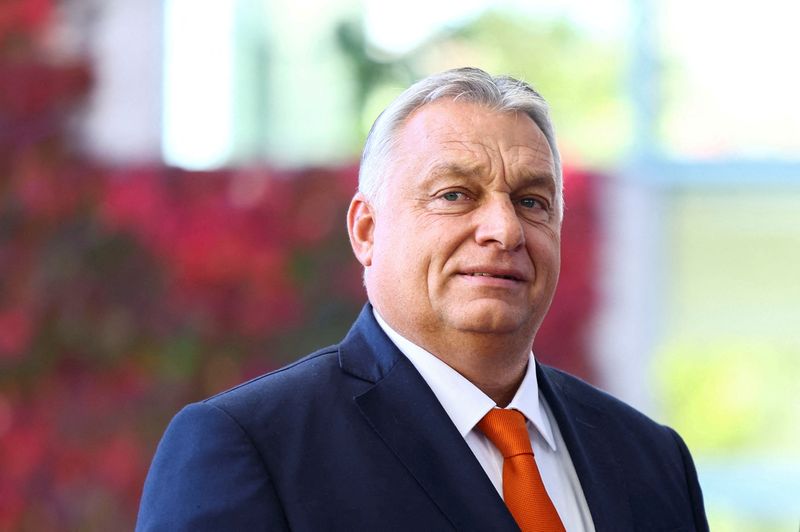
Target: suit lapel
x=406 y=415
x=585 y=430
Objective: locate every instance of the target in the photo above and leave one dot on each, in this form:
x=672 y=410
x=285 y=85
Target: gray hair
x=500 y=93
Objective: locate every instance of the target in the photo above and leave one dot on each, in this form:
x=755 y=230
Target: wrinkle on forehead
x=476 y=171
x=491 y=147
x=471 y=144
x=512 y=161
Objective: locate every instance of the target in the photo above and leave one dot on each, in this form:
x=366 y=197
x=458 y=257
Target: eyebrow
x=456 y=169
x=473 y=171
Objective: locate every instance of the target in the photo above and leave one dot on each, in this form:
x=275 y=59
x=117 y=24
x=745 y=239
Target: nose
x=498 y=224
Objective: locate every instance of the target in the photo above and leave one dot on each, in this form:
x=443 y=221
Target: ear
x=361 y=228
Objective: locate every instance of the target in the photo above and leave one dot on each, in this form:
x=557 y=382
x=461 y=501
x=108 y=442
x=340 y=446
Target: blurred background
x=174 y=176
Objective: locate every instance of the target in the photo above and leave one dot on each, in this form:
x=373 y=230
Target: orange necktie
x=523 y=490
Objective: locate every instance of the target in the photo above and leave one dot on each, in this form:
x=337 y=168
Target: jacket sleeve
x=695 y=494
x=208 y=475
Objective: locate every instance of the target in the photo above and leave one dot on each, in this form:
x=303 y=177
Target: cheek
x=400 y=257
x=545 y=251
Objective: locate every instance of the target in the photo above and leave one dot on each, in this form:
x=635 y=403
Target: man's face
x=465 y=237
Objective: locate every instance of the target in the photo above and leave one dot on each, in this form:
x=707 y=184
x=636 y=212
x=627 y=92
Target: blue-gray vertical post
x=632 y=272
x=644 y=82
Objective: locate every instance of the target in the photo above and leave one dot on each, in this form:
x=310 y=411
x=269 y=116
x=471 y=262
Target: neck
x=496 y=368
x=494 y=363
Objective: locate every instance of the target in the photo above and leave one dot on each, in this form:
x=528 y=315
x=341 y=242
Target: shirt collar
x=527 y=401
x=464 y=402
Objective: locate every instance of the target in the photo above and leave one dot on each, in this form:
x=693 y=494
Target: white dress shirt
x=466 y=405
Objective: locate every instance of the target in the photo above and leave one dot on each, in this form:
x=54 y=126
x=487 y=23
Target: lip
x=493 y=273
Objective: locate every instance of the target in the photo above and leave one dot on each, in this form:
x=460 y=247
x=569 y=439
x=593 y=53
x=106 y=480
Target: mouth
x=510 y=276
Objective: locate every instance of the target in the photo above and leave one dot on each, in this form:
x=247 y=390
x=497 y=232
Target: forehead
x=448 y=133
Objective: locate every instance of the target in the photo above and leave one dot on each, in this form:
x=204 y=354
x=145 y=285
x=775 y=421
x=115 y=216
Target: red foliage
x=563 y=339
x=23 y=18
x=230 y=256
x=127 y=293
x=15 y=332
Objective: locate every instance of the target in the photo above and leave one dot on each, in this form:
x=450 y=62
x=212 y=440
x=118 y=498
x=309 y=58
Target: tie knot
x=507 y=431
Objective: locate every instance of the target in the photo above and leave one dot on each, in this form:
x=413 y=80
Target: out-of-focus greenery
x=730 y=398
x=728 y=373
x=581 y=76
x=737 y=407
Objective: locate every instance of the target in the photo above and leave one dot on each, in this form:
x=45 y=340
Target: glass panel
x=198 y=58
x=731 y=78
x=729 y=367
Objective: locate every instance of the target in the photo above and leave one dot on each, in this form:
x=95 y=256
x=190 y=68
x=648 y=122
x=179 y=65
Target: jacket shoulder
x=290 y=383
x=576 y=389
x=652 y=458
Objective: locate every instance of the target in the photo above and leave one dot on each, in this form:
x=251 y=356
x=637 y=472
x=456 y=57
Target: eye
x=532 y=203
x=452 y=196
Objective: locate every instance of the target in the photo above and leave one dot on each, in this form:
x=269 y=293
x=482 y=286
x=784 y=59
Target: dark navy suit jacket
x=351 y=438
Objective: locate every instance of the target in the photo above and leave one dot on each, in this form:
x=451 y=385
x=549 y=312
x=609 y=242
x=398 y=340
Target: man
x=432 y=414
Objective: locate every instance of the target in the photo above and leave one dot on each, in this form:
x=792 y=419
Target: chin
x=492 y=319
